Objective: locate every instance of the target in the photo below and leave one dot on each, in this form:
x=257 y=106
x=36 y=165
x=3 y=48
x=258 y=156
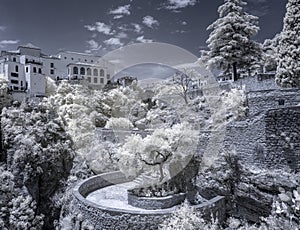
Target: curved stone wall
x=155 y=202
x=113 y=218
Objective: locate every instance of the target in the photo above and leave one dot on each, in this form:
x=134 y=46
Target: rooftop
x=29 y=45
x=77 y=53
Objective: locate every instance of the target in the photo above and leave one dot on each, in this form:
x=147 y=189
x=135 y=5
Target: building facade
x=27 y=68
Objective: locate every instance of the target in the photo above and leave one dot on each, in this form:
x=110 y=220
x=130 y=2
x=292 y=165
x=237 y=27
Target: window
x=27 y=69
x=95 y=80
x=101 y=80
x=65 y=58
x=72 y=59
x=21 y=83
x=89 y=71
x=34 y=69
x=82 y=71
x=92 y=61
x=51 y=65
x=95 y=72
x=75 y=70
x=17 y=68
x=108 y=76
x=14 y=74
x=40 y=70
x=14 y=59
x=85 y=60
x=52 y=71
x=280 y=102
x=16 y=88
x=14 y=82
x=89 y=79
x=101 y=72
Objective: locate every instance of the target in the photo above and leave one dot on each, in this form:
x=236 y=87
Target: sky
x=100 y=26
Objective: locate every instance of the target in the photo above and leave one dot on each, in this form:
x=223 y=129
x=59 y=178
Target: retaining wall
x=113 y=218
x=283 y=137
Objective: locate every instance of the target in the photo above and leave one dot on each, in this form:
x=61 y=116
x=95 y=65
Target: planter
x=153 y=203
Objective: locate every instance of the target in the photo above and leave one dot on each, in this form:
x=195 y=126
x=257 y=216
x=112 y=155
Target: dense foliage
x=288 y=70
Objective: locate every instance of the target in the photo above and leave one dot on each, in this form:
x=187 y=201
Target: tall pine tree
x=288 y=70
x=230 y=41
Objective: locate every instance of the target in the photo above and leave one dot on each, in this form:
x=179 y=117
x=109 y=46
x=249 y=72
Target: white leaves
x=288 y=70
x=230 y=42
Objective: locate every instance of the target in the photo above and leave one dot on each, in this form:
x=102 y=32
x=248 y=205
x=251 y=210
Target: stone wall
x=260 y=138
x=283 y=137
x=258 y=83
x=261 y=101
x=102 y=217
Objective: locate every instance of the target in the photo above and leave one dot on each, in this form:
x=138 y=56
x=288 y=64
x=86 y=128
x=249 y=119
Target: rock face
x=252 y=195
x=283 y=137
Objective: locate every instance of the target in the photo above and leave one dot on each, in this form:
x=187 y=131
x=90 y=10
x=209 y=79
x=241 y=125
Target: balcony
x=33 y=62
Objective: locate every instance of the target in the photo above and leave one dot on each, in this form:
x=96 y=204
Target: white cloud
x=4 y=43
x=114 y=42
x=143 y=40
x=118 y=16
x=184 y=23
x=93 y=45
x=150 y=21
x=121 y=35
x=2 y=28
x=179 y=31
x=101 y=28
x=137 y=28
x=121 y=11
x=179 y=4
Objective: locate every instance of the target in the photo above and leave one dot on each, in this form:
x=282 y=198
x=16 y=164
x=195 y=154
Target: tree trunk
x=161 y=173
x=234 y=70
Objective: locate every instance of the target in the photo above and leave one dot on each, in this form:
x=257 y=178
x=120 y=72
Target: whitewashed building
x=26 y=69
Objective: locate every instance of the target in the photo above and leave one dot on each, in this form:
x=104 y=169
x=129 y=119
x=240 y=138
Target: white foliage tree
x=233 y=107
x=270 y=53
x=187 y=218
x=230 y=41
x=288 y=70
x=165 y=152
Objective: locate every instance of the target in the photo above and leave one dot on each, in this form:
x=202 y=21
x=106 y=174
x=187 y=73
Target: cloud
x=179 y=4
x=118 y=16
x=113 y=42
x=150 y=21
x=121 y=11
x=184 y=23
x=93 y=45
x=2 y=28
x=4 y=43
x=143 y=40
x=179 y=31
x=137 y=28
x=121 y=35
x=101 y=28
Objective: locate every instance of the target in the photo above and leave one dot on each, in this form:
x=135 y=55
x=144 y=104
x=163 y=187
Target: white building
x=26 y=69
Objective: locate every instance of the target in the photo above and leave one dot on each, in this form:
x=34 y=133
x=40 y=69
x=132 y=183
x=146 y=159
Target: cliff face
x=38 y=154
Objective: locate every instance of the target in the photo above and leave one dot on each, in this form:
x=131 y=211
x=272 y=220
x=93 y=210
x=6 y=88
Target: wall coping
x=109 y=178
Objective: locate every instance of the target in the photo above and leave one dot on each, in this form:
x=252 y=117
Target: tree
x=229 y=42
x=288 y=70
x=187 y=218
x=39 y=157
x=166 y=152
x=270 y=53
